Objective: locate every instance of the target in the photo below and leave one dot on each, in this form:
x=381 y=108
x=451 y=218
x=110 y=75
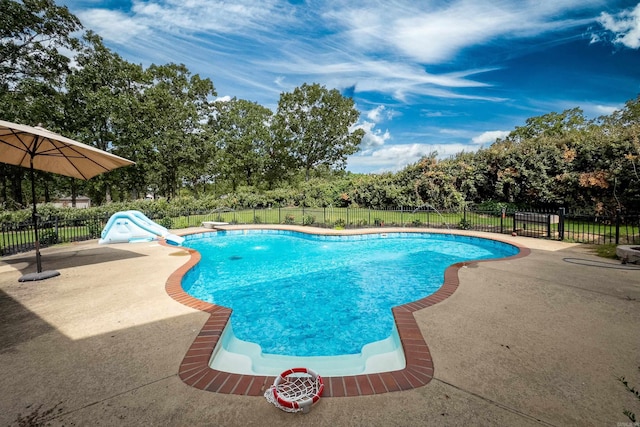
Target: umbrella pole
x=34 y=218
x=39 y=274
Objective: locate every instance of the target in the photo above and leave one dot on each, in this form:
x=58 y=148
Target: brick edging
x=196 y=372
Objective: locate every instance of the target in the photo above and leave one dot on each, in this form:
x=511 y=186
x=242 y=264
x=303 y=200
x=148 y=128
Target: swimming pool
x=296 y=295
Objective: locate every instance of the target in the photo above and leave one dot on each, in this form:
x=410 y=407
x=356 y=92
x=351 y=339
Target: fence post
x=401 y=216
x=548 y=226
x=502 y=215
x=561 y=216
x=279 y=217
x=347 y=223
x=617 y=226
x=464 y=215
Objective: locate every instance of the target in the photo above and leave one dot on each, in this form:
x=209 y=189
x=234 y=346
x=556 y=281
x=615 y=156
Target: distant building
x=82 y=202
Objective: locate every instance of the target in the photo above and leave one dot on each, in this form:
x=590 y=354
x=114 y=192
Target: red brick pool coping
x=196 y=372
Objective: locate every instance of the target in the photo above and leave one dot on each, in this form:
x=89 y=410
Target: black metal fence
x=561 y=224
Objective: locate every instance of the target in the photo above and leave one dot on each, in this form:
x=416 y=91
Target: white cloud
x=225 y=98
x=387 y=159
x=432 y=32
x=605 y=110
x=113 y=25
x=460 y=133
x=373 y=138
x=624 y=25
x=185 y=18
x=448 y=30
x=381 y=113
x=393 y=158
x=590 y=109
x=209 y=15
x=489 y=137
x=400 y=80
x=375 y=114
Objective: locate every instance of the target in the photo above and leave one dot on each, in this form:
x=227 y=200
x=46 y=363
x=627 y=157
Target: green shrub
x=308 y=220
x=339 y=224
x=464 y=224
x=289 y=219
x=257 y=219
x=94 y=228
x=48 y=237
x=166 y=222
x=417 y=223
x=492 y=207
x=180 y=223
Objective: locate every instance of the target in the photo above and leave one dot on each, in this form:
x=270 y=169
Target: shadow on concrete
x=18 y=324
x=26 y=263
x=601 y=264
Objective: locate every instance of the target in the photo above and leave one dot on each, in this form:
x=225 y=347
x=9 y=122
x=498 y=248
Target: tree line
x=187 y=144
x=163 y=117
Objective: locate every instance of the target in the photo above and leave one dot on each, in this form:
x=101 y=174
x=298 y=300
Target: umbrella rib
x=25 y=147
x=80 y=155
x=39 y=140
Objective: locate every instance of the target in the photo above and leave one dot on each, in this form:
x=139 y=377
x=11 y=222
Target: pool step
x=241 y=357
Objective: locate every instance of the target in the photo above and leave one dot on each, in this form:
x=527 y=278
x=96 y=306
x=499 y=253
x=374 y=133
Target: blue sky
x=426 y=76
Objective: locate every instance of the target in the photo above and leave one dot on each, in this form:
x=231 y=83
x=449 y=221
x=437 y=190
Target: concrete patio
x=538 y=340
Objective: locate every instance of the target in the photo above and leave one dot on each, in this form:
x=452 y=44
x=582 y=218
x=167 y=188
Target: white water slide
x=134 y=226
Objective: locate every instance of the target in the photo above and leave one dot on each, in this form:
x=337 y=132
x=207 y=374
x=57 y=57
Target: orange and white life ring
x=303 y=403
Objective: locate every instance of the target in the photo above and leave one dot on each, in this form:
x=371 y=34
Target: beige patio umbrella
x=37 y=148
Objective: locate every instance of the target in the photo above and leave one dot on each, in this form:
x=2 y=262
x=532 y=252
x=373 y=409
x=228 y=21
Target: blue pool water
x=296 y=294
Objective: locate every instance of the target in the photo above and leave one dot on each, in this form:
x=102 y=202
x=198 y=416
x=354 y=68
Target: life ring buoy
x=298 y=404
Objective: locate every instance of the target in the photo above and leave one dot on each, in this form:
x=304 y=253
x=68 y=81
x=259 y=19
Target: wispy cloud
x=605 y=110
x=431 y=32
x=624 y=25
x=389 y=159
x=489 y=137
x=335 y=42
x=218 y=16
x=114 y=25
x=392 y=158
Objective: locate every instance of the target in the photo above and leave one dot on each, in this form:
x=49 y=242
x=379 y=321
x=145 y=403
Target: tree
x=174 y=109
x=31 y=34
x=315 y=127
x=241 y=130
x=435 y=186
x=32 y=71
x=551 y=125
x=102 y=107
